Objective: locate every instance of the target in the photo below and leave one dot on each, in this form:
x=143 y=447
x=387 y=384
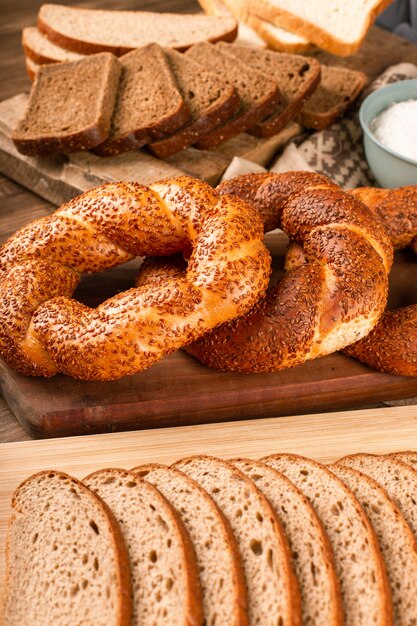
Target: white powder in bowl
x=396 y=128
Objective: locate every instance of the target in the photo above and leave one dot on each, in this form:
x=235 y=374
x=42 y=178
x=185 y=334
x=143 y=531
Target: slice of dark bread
x=398 y=545
x=165 y=584
x=259 y=92
x=272 y=588
x=338 y=88
x=313 y=563
x=66 y=560
x=91 y=30
x=358 y=559
x=149 y=104
x=70 y=106
x=407 y=456
x=397 y=478
x=219 y=564
x=297 y=77
x=210 y=100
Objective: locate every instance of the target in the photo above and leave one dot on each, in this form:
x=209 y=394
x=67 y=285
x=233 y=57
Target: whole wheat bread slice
x=70 y=106
x=210 y=100
x=32 y=68
x=149 y=104
x=165 y=583
x=334 y=25
x=90 y=30
x=397 y=543
x=66 y=561
x=218 y=561
x=297 y=77
x=310 y=547
x=397 y=478
x=338 y=88
x=358 y=560
x=407 y=456
x=259 y=92
x=38 y=48
x=271 y=585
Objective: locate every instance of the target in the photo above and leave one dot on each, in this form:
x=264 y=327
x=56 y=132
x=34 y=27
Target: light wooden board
x=324 y=437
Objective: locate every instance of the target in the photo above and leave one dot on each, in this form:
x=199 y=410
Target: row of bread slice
x=282 y=541
x=169 y=101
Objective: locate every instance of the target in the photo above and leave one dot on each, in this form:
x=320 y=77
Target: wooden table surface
x=17 y=205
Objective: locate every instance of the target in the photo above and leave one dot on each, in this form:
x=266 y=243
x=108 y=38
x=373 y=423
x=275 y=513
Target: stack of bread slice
x=334 y=25
x=284 y=540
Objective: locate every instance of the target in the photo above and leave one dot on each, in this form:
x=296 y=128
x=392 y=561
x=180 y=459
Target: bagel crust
x=392 y=345
x=43 y=331
x=334 y=291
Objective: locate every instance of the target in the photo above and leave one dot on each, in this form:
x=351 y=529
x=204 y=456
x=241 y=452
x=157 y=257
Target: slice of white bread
x=358 y=560
x=334 y=25
x=397 y=543
x=218 y=561
x=38 y=48
x=165 y=583
x=338 y=88
x=149 y=104
x=66 y=561
x=397 y=478
x=276 y=37
x=273 y=596
x=408 y=456
x=310 y=547
x=90 y=30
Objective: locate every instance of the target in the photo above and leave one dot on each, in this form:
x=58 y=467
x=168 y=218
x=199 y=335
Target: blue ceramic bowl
x=389 y=168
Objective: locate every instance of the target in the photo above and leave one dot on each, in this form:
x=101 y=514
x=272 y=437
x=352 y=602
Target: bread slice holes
x=96 y=564
x=162 y=523
x=256 y=547
x=238 y=513
x=84 y=584
x=335 y=510
x=153 y=557
x=169 y=542
x=169 y=583
x=94 y=526
x=259 y=517
x=270 y=558
x=84 y=560
x=109 y=480
x=304 y=472
x=74 y=590
x=35 y=537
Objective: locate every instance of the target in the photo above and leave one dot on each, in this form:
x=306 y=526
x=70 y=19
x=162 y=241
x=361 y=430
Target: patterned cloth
x=338 y=151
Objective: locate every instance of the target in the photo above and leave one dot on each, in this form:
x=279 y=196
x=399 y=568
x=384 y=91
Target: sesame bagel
x=326 y=301
x=44 y=331
x=392 y=345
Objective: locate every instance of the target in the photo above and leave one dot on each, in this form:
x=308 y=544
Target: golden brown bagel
x=44 y=331
x=333 y=298
x=392 y=345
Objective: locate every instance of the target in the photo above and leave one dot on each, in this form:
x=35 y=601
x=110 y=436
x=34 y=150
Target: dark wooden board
x=179 y=390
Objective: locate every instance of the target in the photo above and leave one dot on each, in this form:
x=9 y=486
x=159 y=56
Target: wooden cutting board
x=324 y=437
x=179 y=390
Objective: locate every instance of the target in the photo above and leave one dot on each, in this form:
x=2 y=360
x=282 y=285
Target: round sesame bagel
x=392 y=345
x=333 y=293
x=44 y=331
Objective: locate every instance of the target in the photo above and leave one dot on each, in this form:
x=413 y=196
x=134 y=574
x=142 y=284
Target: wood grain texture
x=324 y=437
